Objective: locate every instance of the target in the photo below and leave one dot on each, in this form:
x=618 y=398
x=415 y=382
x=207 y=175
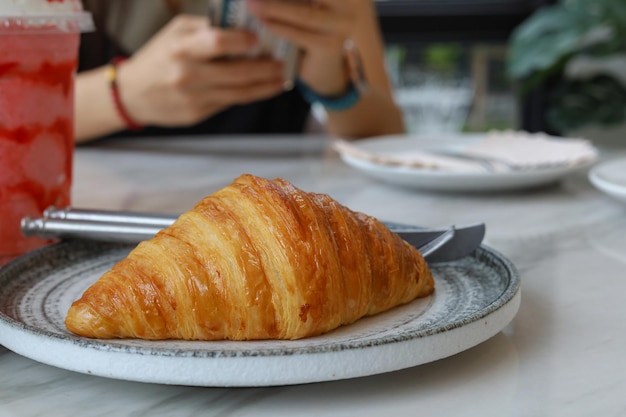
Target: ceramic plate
x=440 y=180
x=475 y=298
x=610 y=177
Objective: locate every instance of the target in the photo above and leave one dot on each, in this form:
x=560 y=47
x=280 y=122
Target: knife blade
x=465 y=241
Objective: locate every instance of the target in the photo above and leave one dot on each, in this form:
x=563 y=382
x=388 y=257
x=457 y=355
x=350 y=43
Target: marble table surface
x=560 y=356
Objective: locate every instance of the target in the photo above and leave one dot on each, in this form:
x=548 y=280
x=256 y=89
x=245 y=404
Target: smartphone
x=234 y=14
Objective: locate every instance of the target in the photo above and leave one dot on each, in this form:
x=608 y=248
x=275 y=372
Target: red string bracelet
x=115 y=92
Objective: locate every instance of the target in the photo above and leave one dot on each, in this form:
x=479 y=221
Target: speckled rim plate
x=475 y=298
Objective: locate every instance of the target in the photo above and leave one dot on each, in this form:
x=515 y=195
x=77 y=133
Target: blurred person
x=180 y=76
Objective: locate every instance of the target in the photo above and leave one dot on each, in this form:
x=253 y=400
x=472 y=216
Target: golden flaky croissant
x=258 y=259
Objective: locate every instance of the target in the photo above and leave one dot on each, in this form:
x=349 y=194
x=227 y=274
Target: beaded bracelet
x=115 y=92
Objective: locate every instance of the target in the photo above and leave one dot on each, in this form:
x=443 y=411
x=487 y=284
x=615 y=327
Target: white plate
x=440 y=180
x=475 y=298
x=610 y=177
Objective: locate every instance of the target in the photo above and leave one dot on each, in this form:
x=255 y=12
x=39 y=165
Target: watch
x=334 y=103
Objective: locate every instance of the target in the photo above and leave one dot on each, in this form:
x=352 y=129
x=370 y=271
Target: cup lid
x=81 y=21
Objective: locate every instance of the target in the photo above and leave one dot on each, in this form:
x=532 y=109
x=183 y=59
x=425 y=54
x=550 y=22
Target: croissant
x=258 y=259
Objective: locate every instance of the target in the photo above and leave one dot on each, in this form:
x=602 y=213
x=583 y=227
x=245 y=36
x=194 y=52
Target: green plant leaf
x=554 y=33
x=543 y=44
x=542 y=41
x=615 y=14
x=598 y=101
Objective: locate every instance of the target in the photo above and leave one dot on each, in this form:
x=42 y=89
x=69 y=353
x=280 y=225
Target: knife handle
x=110 y=216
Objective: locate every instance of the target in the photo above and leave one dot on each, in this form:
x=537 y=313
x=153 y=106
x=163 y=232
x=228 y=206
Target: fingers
x=316 y=26
x=191 y=37
x=195 y=107
x=229 y=73
x=293 y=13
x=305 y=39
x=228 y=82
x=316 y=17
x=227 y=96
x=210 y=44
x=198 y=90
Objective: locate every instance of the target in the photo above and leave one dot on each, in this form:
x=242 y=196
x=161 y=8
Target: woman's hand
x=320 y=28
x=186 y=73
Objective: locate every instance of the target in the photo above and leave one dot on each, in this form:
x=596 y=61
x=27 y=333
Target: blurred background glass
x=453 y=87
x=448 y=64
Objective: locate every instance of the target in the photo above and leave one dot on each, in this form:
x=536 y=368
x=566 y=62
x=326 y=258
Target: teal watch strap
x=334 y=103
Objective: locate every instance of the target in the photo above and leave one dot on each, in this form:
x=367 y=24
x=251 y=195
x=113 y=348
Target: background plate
x=475 y=298
x=439 y=180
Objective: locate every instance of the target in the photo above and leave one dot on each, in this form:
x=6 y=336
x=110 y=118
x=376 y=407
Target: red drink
x=36 y=128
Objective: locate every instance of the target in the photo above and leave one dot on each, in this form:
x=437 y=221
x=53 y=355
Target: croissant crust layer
x=258 y=259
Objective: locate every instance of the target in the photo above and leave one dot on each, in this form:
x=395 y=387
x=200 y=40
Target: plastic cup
x=37 y=69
